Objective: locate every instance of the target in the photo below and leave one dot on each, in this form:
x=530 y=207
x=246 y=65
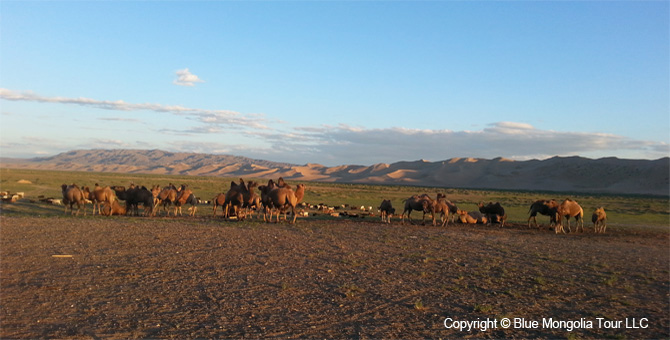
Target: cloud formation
x=250 y=135
x=514 y=140
x=215 y=117
x=186 y=78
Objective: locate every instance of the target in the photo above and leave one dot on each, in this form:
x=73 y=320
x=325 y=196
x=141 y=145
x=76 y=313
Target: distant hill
x=573 y=174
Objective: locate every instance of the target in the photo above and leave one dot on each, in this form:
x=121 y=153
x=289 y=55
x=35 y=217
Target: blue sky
x=337 y=82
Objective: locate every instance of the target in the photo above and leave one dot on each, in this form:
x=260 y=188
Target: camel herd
x=279 y=197
x=495 y=213
x=275 y=197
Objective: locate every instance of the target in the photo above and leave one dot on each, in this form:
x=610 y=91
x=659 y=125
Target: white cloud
x=252 y=136
x=216 y=117
x=343 y=144
x=186 y=78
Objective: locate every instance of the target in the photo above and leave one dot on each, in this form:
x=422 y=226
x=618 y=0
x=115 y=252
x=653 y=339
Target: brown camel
x=167 y=196
x=599 y=219
x=284 y=197
x=544 y=207
x=240 y=197
x=570 y=208
x=182 y=198
x=265 y=198
x=219 y=201
x=73 y=195
x=421 y=203
x=100 y=195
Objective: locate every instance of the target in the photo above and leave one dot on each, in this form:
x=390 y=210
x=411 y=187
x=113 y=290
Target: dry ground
x=187 y=278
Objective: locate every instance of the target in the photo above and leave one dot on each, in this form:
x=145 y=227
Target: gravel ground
x=124 y=277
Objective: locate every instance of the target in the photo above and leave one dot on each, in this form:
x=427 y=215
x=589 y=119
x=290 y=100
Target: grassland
x=622 y=210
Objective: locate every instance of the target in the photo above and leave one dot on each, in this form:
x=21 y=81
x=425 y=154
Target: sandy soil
x=185 y=278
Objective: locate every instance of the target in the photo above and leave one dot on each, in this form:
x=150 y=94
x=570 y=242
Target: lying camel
x=494 y=212
x=113 y=208
x=471 y=217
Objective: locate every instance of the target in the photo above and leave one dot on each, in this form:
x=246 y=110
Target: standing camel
x=100 y=195
x=569 y=208
x=282 y=198
x=73 y=195
x=421 y=203
x=544 y=207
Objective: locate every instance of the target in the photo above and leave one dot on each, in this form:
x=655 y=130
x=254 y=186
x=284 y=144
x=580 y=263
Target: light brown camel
x=100 y=195
x=599 y=219
x=544 y=207
x=421 y=203
x=73 y=195
x=113 y=208
x=471 y=217
x=442 y=206
x=284 y=197
x=570 y=208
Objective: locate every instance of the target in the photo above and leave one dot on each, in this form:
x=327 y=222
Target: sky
x=337 y=82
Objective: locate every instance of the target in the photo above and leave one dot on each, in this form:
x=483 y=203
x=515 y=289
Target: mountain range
x=560 y=174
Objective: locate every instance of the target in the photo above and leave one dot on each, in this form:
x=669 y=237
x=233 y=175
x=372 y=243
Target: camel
x=440 y=206
x=193 y=201
x=100 y=195
x=219 y=201
x=387 y=211
x=494 y=213
x=240 y=197
x=599 y=219
x=570 y=208
x=182 y=198
x=71 y=195
x=265 y=198
x=166 y=196
x=421 y=203
x=544 y=207
x=282 y=198
x=113 y=208
x=471 y=217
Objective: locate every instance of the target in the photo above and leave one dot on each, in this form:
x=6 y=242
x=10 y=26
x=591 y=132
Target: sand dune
x=562 y=174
